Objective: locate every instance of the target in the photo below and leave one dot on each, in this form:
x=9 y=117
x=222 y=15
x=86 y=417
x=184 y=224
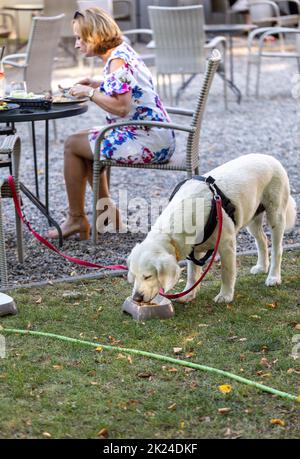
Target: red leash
x=47 y=243
x=117 y=267
x=174 y=296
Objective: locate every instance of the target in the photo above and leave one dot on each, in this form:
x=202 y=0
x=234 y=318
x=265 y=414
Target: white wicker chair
x=255 y=57
x=10 y=146
x=180 y=45
x=187 y=160
x=266 y=13
x=37 y=63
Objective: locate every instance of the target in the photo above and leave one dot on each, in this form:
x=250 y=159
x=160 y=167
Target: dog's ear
x=130 y=276
x=168 y=272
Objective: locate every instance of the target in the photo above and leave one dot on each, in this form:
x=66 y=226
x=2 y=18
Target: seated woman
x=126 y=93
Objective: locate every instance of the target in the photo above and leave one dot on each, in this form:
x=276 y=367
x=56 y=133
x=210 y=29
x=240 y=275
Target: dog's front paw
x=258 y=269
x=223 y=298
x=273 y=280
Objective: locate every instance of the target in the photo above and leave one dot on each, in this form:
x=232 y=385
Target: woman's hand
x=89 y=82
x=80 y=90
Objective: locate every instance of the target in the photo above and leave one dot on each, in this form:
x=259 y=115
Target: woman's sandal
x=81 y=227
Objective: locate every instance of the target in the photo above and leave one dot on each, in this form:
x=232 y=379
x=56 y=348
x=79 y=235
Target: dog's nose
x=138 y=297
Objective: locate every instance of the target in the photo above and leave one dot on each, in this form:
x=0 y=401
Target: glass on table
x=18 y=89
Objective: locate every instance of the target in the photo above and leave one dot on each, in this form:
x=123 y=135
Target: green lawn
x=54 y=389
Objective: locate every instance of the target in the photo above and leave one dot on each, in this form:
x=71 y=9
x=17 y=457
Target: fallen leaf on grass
x=189 y=370
x=144 y=375
x=99 y=349
x=277 y=422
x=172 y=370
x=177 y=350
x=272 y=305
x=189 y=355
x=189 y=339
x=94 y=383
x=255 y=316
x=225 y=388
x=129 y=359
x=297 y=326
x=224 y=410
x=265 y=363
x=39 y=300
x=57 y=367
x=121 y=356
x=172 y=407
x=47 y=434
x=103 y=433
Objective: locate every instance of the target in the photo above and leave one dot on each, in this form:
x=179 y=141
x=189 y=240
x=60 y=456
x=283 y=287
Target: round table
x=29 y=114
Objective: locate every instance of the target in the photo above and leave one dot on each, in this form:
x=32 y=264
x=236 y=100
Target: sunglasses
x=78 y=14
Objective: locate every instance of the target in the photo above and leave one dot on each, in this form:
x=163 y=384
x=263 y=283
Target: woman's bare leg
x=106 y=210
x=78 y=166
x=77 y=155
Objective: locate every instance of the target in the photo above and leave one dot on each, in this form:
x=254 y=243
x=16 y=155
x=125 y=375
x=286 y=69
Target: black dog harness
x=212 y=218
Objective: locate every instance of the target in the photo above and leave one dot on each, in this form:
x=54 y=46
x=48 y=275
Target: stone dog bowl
x=7 y=305
x=159 y=308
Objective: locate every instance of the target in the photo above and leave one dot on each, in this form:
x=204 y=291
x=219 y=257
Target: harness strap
x=211 y=223
x=202 y=260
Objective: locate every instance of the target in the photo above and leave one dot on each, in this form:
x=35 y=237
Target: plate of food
x=66 y=99
x=18 y=97
x=5 y=106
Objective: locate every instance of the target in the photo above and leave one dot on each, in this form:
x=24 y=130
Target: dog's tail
x=291 y=213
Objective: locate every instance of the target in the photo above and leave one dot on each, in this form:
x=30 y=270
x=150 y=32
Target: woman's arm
x=89 y=82
x=118 y=104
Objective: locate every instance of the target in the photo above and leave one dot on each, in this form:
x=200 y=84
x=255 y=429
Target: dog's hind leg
x=277 y=222
x=193 y=274
x=255 y=228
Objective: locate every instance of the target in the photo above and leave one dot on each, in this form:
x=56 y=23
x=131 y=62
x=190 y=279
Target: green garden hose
x=163 y=358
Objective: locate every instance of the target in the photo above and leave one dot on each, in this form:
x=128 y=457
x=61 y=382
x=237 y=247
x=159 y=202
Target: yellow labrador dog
x=255 y=184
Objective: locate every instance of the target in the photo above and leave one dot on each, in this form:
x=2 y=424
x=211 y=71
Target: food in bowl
x=3 y=105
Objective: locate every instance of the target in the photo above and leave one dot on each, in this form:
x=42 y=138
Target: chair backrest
x=259 y=12
x=68 y=8
x=192 y=156
x=106 y=5
x=125 y=13
x=41 y=49
x=179 y=38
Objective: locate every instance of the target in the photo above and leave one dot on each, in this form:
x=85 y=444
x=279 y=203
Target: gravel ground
x=269 y=125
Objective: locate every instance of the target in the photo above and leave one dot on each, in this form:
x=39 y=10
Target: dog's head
x=150 y=268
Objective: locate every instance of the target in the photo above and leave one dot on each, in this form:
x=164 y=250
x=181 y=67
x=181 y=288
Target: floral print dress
x=134 y=144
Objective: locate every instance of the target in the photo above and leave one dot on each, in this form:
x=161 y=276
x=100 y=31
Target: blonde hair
x=98 y=30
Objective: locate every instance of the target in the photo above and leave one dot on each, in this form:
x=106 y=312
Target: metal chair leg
x=3 y=264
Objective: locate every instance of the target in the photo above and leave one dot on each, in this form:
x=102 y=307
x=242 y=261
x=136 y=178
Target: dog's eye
x=147 y=277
